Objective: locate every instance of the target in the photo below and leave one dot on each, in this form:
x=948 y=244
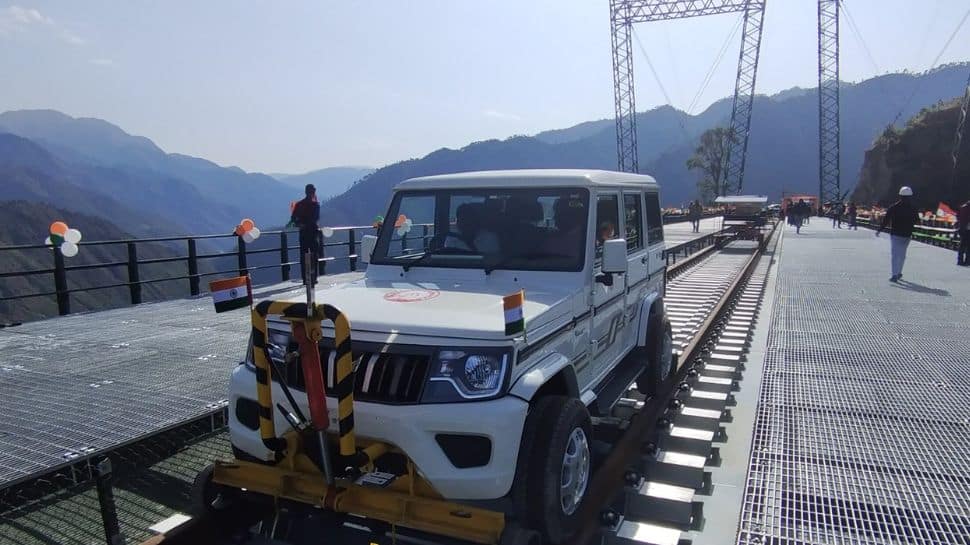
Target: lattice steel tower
x=625 y=13
x=829 y=187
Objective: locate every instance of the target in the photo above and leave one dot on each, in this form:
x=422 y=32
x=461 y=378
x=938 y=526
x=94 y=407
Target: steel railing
x=133 y=265
x=930 y=232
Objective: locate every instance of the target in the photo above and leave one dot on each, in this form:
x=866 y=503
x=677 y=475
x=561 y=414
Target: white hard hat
x=905 y=191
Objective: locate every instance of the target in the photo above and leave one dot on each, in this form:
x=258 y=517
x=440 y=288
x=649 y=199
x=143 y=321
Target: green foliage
x=710 y=158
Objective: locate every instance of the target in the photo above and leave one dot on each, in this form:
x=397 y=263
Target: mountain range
x=782 y=150
x=330 y=182
x=53 y=164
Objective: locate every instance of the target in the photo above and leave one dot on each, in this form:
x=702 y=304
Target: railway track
x=697 y=285
x=650 y=479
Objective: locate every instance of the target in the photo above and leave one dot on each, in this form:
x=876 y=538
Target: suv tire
x=559 y=465
x=207 y=496
x=659 y=352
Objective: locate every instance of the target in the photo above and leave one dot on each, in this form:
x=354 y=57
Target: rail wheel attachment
x=209 y=497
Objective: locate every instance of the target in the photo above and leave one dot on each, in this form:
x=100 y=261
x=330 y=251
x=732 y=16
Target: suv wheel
x=559 y=465
x=207 y=496
x=660 y=355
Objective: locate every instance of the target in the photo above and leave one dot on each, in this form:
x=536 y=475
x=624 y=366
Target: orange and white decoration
x=63 y=237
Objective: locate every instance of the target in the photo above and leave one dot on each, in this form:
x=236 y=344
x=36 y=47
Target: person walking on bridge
x=800 y=213
x=837 y=210
x=963 y=231
x=306 y=215
x=901 y=217
x=852 y=212
x=694 y=212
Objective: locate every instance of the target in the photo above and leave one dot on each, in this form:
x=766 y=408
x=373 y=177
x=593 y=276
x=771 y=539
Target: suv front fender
x=548 y=369
x=650 y=304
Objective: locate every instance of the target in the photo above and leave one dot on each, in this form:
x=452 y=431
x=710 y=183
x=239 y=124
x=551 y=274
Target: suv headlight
x=467 y=374
x=279 y=343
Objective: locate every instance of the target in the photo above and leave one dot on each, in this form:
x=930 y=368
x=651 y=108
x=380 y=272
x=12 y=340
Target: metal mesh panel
x=863 y=420
x=83 y=384
x=152 y=480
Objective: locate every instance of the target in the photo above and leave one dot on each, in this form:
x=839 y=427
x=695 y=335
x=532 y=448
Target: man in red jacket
x=963 y=231
x=305 y=216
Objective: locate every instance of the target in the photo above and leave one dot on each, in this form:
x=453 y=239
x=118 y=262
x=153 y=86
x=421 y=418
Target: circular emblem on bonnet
x=410 y=296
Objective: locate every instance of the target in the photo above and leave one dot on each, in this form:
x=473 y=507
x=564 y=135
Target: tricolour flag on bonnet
x=514 y=318
x=231 y=293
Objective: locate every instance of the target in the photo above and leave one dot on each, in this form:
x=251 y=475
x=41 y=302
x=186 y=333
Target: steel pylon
x=625 y=13
x=829 y=186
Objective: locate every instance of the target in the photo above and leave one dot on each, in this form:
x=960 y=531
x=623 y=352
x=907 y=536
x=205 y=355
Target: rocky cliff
x=918 y=155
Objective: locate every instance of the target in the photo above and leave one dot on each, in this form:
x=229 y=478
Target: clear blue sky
x=293 y=86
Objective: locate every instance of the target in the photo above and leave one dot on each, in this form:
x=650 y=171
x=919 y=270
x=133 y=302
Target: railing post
x=193 y=268
x=352 y=249
x=134 y=285
x=60 y=283
x=241 y=247
x=321 y=264
x=106 y=499
x=284 y=257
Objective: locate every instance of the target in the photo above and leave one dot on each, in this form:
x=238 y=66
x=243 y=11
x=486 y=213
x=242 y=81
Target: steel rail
x=608 y=481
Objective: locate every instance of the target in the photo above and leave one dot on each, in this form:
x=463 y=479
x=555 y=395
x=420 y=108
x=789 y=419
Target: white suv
x=485 y=415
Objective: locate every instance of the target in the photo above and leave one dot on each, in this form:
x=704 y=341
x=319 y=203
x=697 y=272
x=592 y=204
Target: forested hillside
x=782 y=153
x=918 y=155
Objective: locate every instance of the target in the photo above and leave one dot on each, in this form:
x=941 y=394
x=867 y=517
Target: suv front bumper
x=413 y=429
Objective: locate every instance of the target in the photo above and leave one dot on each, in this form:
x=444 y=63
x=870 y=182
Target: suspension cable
x=660 y=84
x=713 y=68
x=935 y=60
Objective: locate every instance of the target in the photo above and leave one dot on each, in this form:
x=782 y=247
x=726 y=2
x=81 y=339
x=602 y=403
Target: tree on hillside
x=710 y=157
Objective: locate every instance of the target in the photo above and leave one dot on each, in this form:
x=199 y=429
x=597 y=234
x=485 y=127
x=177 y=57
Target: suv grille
x=382 y=377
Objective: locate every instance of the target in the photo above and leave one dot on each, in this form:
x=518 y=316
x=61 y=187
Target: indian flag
x=514 y=318
x=231 y=293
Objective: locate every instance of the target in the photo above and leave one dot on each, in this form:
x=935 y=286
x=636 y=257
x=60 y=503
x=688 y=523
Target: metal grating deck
x=79 y=385
x=862 y=433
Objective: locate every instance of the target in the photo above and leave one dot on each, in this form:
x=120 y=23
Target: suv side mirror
x=367 y=245
x=614 y=256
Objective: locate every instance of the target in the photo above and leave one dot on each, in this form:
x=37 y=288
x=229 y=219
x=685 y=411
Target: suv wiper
x=505 y=260
x=430 y=253
x=414 y=262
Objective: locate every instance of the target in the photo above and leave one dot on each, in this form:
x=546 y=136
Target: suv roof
x=530 y=177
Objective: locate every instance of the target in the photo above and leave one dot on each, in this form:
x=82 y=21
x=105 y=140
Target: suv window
x=540 y=229
x=633 y=222
x=607 y=220
x=655 y=225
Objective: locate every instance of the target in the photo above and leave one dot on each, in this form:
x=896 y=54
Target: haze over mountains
x=93 y=167
x=329 y=182
x=782 y=151
x=88 y=171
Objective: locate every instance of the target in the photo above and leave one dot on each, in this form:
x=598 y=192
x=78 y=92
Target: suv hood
x=472 y=310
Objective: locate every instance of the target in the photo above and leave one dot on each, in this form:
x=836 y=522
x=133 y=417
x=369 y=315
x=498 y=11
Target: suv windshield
x=523 y=229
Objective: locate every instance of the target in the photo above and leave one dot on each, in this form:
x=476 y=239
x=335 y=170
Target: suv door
x=608 y=301
x=635 y=232
x=655 y=236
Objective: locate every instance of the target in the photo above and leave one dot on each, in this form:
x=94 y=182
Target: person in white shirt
x=471 y=236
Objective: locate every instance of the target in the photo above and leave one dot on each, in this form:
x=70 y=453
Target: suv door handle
x=643 y=260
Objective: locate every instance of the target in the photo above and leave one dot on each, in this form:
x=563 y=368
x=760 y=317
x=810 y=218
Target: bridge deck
x=863 y=424
x=78 y=385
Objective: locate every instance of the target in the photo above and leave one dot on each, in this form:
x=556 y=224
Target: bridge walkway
x=861 y=430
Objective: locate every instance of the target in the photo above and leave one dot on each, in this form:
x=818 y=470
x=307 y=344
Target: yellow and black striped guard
x=343 y=389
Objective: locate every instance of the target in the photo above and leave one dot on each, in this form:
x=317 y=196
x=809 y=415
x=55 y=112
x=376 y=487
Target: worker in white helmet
x=901 y=217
